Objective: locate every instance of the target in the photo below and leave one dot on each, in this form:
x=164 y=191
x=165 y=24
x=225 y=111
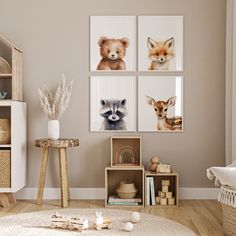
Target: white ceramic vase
x=53 y=129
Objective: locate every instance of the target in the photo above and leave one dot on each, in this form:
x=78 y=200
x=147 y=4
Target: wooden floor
x=204 y=217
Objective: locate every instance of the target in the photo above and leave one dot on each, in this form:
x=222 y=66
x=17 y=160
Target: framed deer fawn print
x=160 y=100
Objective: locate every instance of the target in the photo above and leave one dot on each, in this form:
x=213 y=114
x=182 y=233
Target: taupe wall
x=55 y=38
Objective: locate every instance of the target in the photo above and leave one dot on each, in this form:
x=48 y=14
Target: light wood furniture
x=158 y=184
x=61 y=145
x=11 y=83
x=204 y=217
x=113 y=176
x=125 y=147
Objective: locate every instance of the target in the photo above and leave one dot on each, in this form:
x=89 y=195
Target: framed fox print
x=113 y=103
x=160 y=43
x=160 y=103
x=112 y=43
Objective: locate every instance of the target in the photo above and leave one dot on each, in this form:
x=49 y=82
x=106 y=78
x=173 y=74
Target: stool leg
x=63 y=175
x=42 y=176
x=67 y=178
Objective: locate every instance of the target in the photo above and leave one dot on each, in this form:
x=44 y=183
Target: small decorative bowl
x=126 y=190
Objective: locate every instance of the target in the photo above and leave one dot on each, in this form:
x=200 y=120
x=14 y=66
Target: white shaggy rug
x=37 y=223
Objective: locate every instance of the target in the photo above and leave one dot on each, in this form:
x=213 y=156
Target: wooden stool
x=6 y=199
x=61 y=144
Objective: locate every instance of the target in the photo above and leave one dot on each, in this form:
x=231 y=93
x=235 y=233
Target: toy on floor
x=128 y=227
x=135 y=217
x=102 y=223
x=77 y=223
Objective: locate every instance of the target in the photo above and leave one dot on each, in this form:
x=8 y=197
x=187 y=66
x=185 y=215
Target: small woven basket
x=229 y=220
x=5 y=169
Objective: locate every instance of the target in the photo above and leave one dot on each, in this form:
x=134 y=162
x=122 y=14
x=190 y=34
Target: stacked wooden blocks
x=164 y=196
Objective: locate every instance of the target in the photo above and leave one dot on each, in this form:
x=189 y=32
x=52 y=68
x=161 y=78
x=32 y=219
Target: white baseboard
x=99 y=193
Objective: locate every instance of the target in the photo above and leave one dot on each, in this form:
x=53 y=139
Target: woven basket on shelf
x=229 y=220
x=5 y=169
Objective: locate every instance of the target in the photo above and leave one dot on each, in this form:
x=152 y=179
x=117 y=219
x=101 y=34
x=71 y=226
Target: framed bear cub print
x=160 y=40
x=112 y=43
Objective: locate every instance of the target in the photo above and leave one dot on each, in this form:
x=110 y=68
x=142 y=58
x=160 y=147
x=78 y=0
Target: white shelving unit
x=13 y=172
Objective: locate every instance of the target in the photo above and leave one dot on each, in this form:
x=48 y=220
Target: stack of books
x=150 y=192
x=115 y=200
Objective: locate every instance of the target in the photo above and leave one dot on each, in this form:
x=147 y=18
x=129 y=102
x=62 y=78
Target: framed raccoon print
x=113 y=103
x=160 y=103
x=160 y=43
x=112 y=43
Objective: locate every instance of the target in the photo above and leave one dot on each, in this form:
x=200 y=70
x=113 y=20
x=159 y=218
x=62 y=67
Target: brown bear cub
x=112 y=52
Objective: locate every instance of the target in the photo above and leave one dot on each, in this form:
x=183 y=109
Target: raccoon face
x=113 y=110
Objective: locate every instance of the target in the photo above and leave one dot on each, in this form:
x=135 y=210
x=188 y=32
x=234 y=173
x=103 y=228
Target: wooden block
x=165 y=189
x=171 y=201
x=163 y=201
x=158 y=200
x=161 y=194
x=169 y=195
x=165 y=182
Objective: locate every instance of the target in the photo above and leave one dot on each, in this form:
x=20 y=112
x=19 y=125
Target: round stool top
x=59 y=143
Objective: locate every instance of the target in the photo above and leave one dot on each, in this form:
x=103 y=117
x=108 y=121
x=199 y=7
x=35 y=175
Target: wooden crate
x=126 y=151
x=113 y=176
x=5 y=168
x=173 y=179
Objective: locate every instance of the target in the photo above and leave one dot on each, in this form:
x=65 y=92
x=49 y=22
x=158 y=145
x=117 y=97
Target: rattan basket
x=229 y=220
x=5 y=169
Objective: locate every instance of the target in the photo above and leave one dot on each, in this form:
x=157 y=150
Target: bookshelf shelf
x=113 y=176
x=172 y=179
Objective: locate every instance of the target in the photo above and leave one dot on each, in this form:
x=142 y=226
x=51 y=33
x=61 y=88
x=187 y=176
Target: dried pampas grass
x=55 y=105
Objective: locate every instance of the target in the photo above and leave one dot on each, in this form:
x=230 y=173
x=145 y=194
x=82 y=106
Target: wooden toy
x=161 y=194
x=163 y=201
x=77 y=223
x=163 y=168
x=165 y=182
x=158 y=200
x=165 y=188
x=171 y=201
x=169 y=194
x=154 y=161
x=59 y=221
x=102 y=223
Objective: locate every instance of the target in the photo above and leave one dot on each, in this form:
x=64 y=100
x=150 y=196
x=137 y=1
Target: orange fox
x=160 y=53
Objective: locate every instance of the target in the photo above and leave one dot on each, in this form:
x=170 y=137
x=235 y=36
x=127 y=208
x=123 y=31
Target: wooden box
x=126 y=151
x=171 y=180
x=113 y=177
x=5 y=168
